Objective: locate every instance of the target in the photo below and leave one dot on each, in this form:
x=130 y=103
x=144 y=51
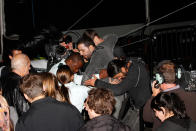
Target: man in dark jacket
x=100 y=104
x=16 y=48
x=136 y=82
x=46 y=113
x=20 y=65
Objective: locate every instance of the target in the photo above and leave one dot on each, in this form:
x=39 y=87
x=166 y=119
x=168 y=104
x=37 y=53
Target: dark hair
x=75 y=57
x=17 y=45
x=9 y=46
x=86 y=41
x=32 y=85
x=64 y=76
x=114 y=67
x=171 y=102
x=119 y=52
x=101 y=101
x=90 y=33
x=66 y=38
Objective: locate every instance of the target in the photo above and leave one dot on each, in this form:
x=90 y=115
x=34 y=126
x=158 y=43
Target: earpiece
x=159 y=78
x=178 y=73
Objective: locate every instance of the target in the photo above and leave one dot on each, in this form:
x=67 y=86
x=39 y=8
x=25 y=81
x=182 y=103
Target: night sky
x=27 y=16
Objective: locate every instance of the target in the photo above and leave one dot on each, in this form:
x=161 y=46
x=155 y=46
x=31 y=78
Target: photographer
x=166 y=76
x=57 y=55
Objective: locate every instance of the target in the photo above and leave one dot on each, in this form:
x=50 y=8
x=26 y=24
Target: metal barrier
x=172 y=42
x=177 y=44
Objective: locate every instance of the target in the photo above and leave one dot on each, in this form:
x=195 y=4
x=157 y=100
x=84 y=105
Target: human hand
x=75 y=50
x=114 y=81
x=85 y=60
x=91 y=82
x=155 y=91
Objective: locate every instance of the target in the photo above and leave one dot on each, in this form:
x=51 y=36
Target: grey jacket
x=100 y=58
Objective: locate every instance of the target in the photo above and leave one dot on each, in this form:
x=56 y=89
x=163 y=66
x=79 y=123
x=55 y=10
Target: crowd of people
x=92 y=77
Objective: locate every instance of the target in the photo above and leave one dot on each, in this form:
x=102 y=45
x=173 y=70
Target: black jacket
x=176 y=124
x=136 y=83
x=48 y=114
x=104 y=123
x=187 y=97
x=12 y=93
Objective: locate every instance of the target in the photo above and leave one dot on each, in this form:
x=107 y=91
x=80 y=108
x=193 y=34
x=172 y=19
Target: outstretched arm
x=118 y=89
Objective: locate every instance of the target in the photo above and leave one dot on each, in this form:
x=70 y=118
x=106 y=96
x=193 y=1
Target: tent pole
x=147 y=11
x=1 y=27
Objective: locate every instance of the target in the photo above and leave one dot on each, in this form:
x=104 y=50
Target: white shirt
x=77 y=94
x=54 y=68
x=78 y=78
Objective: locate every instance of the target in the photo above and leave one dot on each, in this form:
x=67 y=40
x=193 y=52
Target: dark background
x=28 y=16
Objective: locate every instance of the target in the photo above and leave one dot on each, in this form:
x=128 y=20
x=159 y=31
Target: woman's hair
x=114 y=67
x=64 y=74
x=101 y=101
x=52 y=88
x=171 y=103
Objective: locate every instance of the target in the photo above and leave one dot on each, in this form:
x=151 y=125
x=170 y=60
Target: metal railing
x=177 y=43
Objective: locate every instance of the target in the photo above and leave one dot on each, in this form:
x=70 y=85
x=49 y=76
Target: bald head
x=20 y=64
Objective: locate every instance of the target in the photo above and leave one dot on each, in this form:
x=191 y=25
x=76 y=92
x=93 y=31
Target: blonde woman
x=52 y=89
